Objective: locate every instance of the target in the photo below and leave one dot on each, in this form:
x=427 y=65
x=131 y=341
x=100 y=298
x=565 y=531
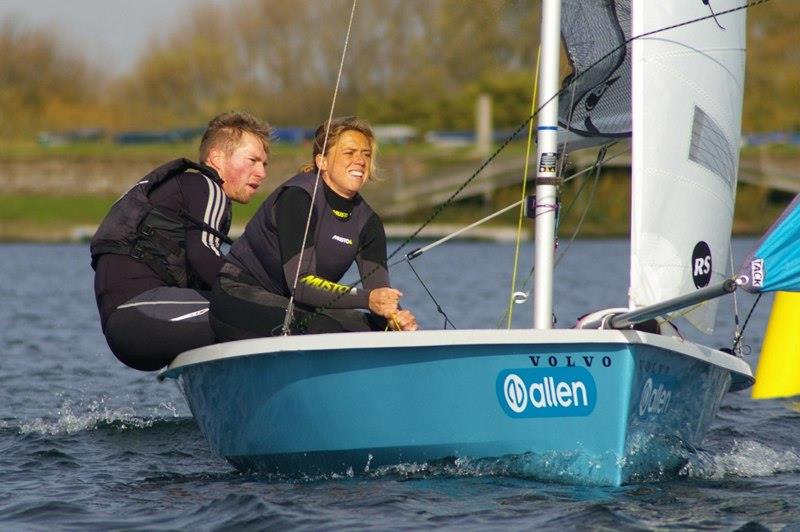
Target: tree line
x=416 y=62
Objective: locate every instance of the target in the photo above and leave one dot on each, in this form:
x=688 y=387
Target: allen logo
x=655 y=398
x=550 y=392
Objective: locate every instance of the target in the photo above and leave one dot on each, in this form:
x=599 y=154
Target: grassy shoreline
x=28 y=218
x=44 y=215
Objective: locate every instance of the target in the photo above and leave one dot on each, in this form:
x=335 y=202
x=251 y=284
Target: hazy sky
x=113 y=32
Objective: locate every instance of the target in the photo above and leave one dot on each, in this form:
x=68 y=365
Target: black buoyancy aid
x=156 y=236
x=333 y=257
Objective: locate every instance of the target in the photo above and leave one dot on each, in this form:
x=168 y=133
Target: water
x=86 y=443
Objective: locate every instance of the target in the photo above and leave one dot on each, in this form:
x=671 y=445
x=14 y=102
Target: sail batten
x=710 y=148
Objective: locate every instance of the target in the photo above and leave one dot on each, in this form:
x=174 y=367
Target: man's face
x=243 y=170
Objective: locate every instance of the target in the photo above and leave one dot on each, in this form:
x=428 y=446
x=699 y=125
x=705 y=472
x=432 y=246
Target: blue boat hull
x=603 y=413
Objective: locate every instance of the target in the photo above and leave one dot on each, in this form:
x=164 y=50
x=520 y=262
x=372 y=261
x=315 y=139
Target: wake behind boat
x=598 y=404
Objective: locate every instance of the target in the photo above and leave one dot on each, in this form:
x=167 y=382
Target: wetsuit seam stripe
x=214 y=221
x=212 y=214
x=142 y=303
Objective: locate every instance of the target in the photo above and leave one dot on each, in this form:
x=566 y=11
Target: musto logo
x=546 y=392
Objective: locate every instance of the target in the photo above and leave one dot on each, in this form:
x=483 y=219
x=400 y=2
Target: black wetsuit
x=251 y=295
x=146 y=320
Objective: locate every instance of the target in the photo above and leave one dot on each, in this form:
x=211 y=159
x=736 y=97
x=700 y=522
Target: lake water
x=88 y=444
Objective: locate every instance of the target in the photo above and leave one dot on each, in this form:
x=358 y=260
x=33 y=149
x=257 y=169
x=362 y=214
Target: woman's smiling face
x=346 y=166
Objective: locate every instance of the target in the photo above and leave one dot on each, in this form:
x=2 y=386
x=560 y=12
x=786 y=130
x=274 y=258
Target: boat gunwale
x=287 y=345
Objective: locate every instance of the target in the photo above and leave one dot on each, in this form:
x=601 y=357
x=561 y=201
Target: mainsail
x=688 y=84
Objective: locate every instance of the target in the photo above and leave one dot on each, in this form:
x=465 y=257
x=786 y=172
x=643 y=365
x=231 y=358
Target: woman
x=252 y=292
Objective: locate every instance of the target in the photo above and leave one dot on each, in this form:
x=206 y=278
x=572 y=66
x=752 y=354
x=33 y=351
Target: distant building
x=450 y=139
x=772 y=137
x=292 y=134
x=456 y=139
x=185 y=134
x=85 y=134
x=395 y=133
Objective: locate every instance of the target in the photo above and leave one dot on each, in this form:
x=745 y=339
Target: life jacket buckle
x=147 y=230
x=137 y=253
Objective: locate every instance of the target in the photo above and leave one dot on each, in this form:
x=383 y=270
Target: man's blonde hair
x=225 y=131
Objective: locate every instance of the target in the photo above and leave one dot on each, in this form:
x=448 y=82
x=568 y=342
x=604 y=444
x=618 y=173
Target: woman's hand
x=383 y=301
x=403 y=321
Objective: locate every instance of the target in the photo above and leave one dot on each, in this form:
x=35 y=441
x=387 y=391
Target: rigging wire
x=287 y=321
x=513 y=135
x=598 y=165
x=516 y=132
x=737 y=333
x=518 y=296
x=419 y=251
x=523 y=295
x=515 y=296
x=438 y=306
x=511 y=297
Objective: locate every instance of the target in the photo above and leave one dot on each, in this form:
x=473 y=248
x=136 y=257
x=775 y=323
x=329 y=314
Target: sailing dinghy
x=603 y=403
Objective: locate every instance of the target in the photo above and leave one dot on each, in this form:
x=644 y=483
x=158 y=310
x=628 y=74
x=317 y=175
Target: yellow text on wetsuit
x=324 y=284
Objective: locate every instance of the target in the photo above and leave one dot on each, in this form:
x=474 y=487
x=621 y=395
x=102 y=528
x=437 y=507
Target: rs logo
x=702 y=265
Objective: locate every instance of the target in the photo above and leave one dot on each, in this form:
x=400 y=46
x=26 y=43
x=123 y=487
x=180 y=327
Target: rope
x=438 y=306
x=419 y=251
x=597 y=165
x=287 y=321
x=738 y=337
x=736 y=331
x=525 y=123
x=523 y=295
x=578 y=76
x=522 y=195
x=513 y=135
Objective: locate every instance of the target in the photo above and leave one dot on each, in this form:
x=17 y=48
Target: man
x=157 y=252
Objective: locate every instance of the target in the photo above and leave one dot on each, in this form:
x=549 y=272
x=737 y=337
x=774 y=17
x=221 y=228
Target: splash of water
x=72 y=418
x=745 y=459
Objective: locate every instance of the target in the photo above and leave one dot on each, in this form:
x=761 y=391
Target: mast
x=546 y=159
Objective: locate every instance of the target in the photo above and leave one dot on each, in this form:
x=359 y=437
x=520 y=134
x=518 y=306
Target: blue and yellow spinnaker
x=774 y=266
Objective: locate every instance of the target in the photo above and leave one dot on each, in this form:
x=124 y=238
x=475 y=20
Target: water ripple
x=87 y=444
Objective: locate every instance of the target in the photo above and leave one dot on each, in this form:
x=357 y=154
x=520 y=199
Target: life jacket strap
x=203 y=225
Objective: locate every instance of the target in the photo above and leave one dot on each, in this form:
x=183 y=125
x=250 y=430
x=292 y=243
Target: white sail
x=687 y=97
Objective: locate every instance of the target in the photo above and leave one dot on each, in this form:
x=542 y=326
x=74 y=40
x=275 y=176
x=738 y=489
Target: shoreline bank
x=83 y=233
